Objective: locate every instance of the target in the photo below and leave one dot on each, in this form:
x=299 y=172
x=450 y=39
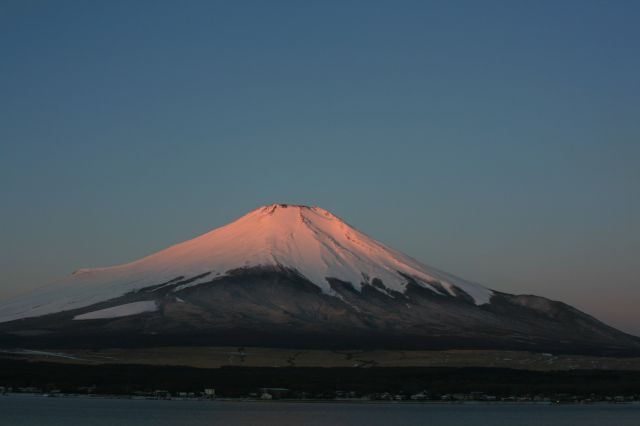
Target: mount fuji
x=294 y=276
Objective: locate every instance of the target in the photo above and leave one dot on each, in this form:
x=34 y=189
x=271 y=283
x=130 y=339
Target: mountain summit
x=295 y=275
x=309 y=240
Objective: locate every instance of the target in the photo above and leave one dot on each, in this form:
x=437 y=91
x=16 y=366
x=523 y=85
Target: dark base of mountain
x=276 y=307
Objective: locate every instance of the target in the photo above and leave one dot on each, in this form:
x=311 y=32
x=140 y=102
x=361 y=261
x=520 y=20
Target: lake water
x=37 y=411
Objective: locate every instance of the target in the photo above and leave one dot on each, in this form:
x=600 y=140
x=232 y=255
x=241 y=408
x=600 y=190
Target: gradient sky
x=499 y=141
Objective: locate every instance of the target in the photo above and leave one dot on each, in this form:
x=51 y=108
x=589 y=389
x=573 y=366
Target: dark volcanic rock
x=277 y=307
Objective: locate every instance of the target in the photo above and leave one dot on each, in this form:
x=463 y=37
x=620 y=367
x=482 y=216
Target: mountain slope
x=308 y=239
x=295 y=275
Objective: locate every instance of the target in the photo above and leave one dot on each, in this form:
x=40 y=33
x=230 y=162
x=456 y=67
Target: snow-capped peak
x=310 y=240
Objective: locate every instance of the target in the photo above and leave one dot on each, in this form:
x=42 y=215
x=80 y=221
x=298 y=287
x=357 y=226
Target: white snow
x=309 y=239
x=200 y=280
x=125 y=310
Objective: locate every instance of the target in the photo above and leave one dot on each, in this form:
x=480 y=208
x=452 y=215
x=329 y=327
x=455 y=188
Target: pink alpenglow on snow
x=310 y=240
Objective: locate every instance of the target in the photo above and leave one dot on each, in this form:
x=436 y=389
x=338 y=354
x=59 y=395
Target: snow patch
x=201 y=280
x=125 y=310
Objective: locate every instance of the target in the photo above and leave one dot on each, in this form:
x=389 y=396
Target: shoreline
x=317 y=401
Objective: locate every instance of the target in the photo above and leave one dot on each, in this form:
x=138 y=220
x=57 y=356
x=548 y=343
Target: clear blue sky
x=497 y=140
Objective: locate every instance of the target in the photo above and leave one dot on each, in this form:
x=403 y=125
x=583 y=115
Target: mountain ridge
x=311 y=240
x=285 y=275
